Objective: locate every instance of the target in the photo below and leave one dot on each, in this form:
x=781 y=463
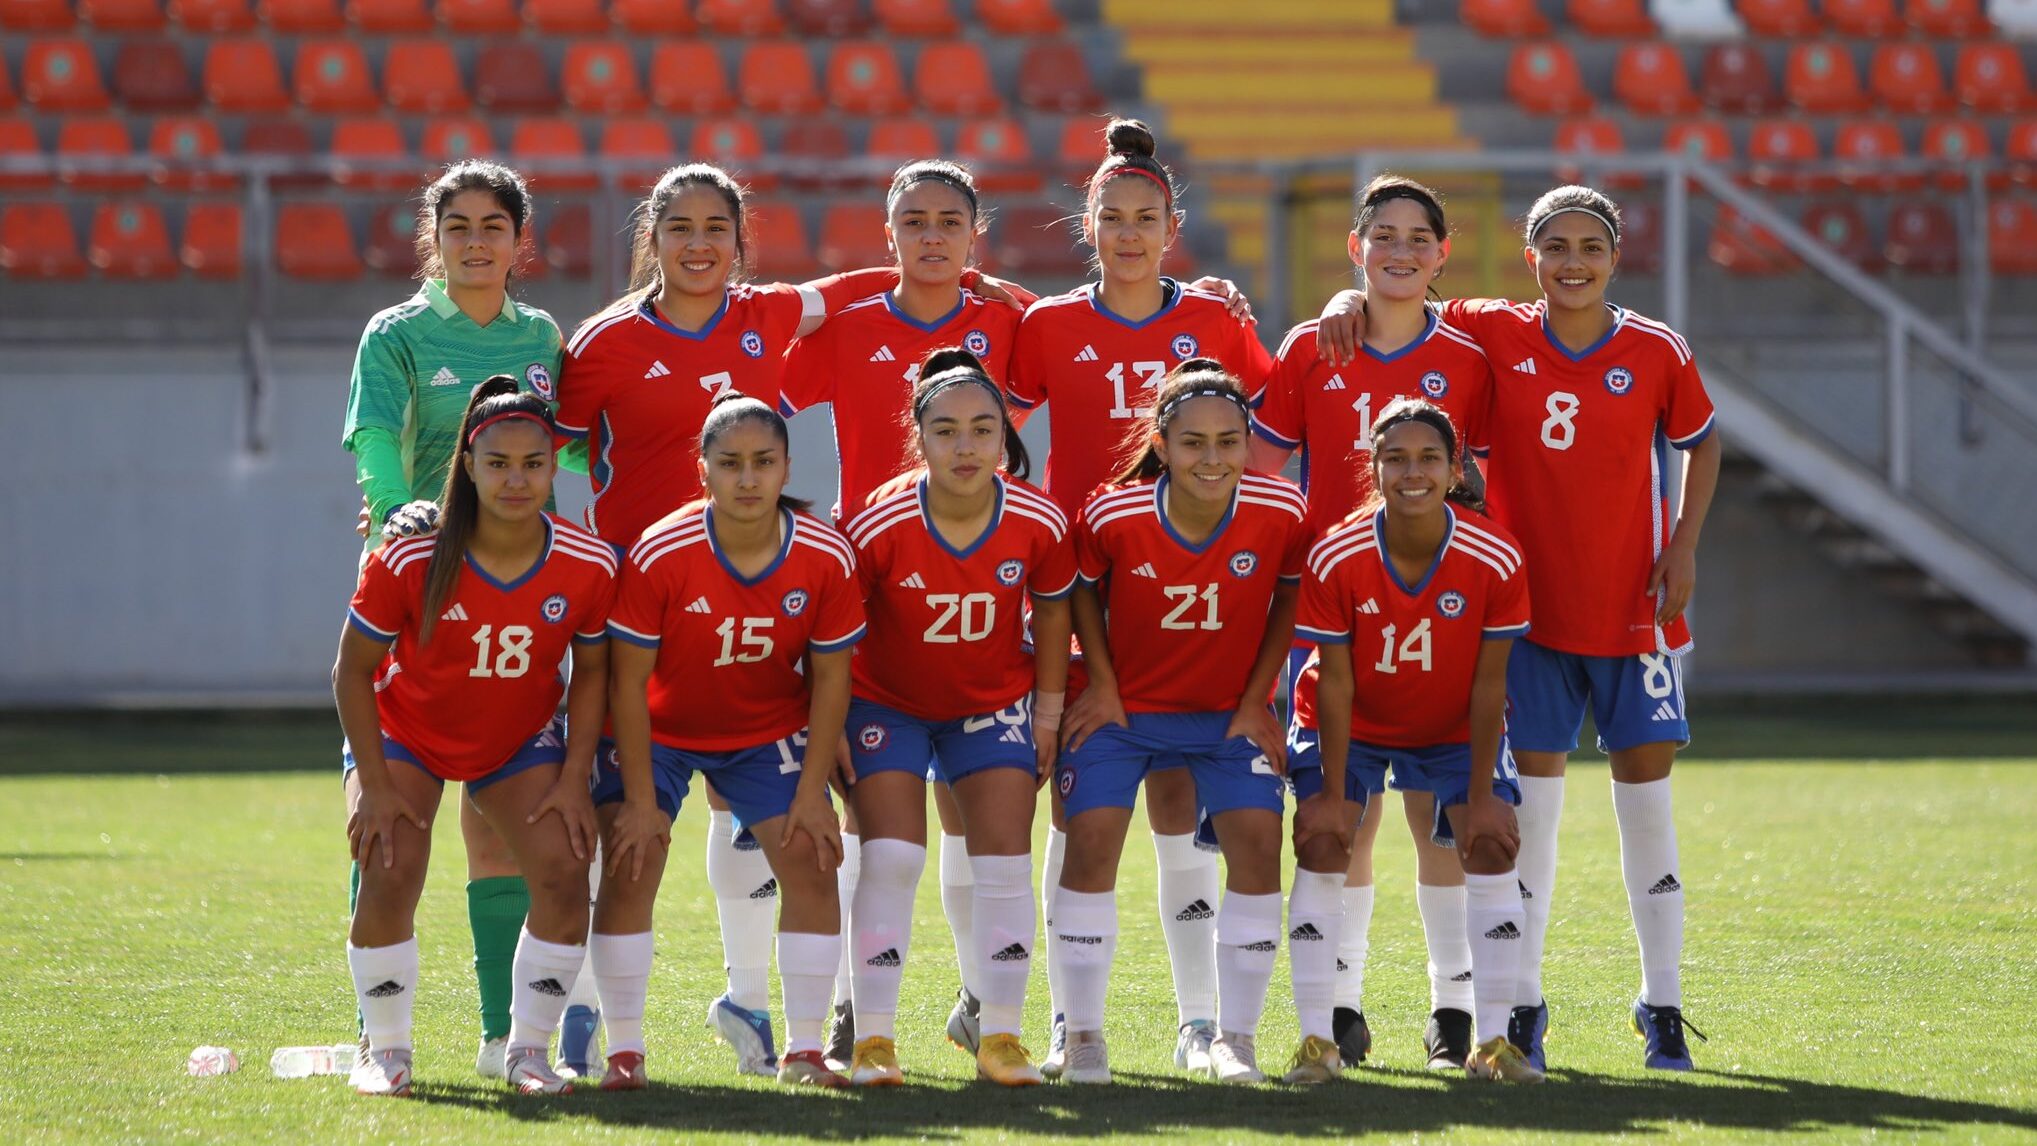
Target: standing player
x=732 y=632
x=950 y=557
x=1186 y=611
x=451 y=668
x=1413 y=605
x=1590 y=399
x=1095 y=355
x=417 y=364
x=1401 y=240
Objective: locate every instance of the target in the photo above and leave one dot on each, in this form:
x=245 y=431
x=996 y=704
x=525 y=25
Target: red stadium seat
x=1040 y=241
x=1019 y=17
x=60 y=75
x=1543 y=79
x=777 y=79
x=777 y=248
x=7 y=100
x=826 y=19
x=1867 y=19
x=38 y=241
x=900 y=141
x=130 y=241
x=182 y=146
x=212 y=240
x=687 y=77
x=1989 y=77
x=1616 y=19
x=1906 y=80
x=1081 y=147
x=212 y=15
x=389 y=17
x=1735 y=79
x=313 y=241
x=332 y=78
x=1745 y=249
x=2012 y=236
x=740 y=17
x=569 y=241
x=366 y=151
x=816 y=149
x=1947 y=19
x=1862 y=148
x=1054 y=76
x=731 y=142
x=241 y=75
x=953 y=78
x=1841 y=226
x=1641 y=238
x=1821 y=79
x=1955 y=143
x=550 y=152
x=567 y=17
x=1780 y=19
x=2020 y=150
x=999 y=152
x=511 y=76
x=449 y=140
x=600 y=78
x=863 y=79
x=36 y=15
x=18 y=141
x=1504 y=19
x=1922 y=239
x=423 y=76
x=301 y=17
x=641 y=142
x=851 y=237
x=1705 y=139
x=150 y=75
x=1595 y=136
x=391 y=248
x=480 y=17
x=653 y=18
x=917 y=17
x=1776 y=151
x=280 y=139
x=82 y=140
x=122 y=15
x=1650 y=79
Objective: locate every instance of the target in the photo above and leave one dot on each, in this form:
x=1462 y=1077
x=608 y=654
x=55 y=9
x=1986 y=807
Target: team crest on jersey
x=540 y=379
x=1434 y=384
x=1243 y=562
x=1451 y=604
x=1184 y=345
x=794 y=603
x=871 y=737
x=1619 y=380
x=976 y=342
x=753 y=344
x=1008 y=574
x=554 y=608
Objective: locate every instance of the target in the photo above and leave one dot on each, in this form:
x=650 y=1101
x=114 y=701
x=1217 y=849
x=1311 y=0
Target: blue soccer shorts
x=547 y=747
x=1443 y=770
x=1635 y=700
x=758 y=783
x=1230 y=772
x=883 y=739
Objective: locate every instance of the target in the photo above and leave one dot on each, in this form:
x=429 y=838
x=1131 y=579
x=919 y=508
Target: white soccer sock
x=847 y=877
x=958 y=903
x=1050 y=886
x=622 y=970
x=882 y=936
x=746 y=896
x=541 y=977
x=1539 y=815
x=1354 y=940
x=1442 y=911
x=1654 y=894
x=1086 y=935
x=1248 y=943
x=385 y=982
x=1492 y=905
x=1315 y=916
x=1005 y=928
x=585 y=993
x=806 y=963
x=1188 y=919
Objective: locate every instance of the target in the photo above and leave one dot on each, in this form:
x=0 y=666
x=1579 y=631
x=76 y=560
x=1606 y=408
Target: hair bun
x=949 y=358
x=1129 y=137
x=731 y=395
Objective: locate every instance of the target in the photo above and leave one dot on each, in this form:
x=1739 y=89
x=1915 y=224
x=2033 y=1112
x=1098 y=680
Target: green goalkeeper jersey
x=418 y=363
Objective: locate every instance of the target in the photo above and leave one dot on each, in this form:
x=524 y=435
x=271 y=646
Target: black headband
x=1166 y=410
x=967 y=191
x=948 y=379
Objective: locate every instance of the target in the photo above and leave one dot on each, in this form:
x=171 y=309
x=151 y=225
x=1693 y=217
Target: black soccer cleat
x=1354 y=1036
x=1448 y=1039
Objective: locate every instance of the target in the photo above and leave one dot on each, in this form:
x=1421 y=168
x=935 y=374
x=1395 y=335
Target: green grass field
x=1862 y=936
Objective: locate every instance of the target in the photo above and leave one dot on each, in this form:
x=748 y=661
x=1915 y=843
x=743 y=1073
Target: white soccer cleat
x=528 y=1073
x=1235 y=1059
x=748 y=1033
x=1057 y=1050
x=1088 y=1059
x=492 y=1060
x=383 y=1074
x=1191 y=1049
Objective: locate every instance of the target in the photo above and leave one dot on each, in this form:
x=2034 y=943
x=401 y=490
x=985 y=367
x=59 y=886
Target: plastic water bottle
x=304 y=1062
x=205 y=1062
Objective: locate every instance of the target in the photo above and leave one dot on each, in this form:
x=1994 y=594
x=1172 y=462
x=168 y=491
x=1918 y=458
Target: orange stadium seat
x=1780 y=19
x=1821 y=79
x=1504 y=19
x=1840 y=226
x=740 y=17
x=212 y=15
x=999 y=152
x=2012 y=236
x=826 y=19
x=777 y=248
x=150 y=75
x=1948 y=19
x=301 y=17
x=1922 y=239
x=863 y=79
x=1705 y=139
x=7 y=100
x=896 y=142
x=1989 y=77
x=687 y=77
x=567 y=17
x=640 y=142
x=1905 y=79
x=1955 y=142
x=1054 y=76
x=129 y=240
x=851 y=237
x=212 y=240
x=279 y=139
x=1777 y=149
x=122 y=15
x=732 y=142
x=1595 y=136
x=1860 y=146
x=36 y=15
x=1650 y=78
x=62 y=75
x=241 y=75
x=313 y=241
x=332 y=78
x=1745 y=249
x=480 y=17
x=2020 y=150
x=1735 y=79
x=953 y=78
x=777 y=78
x=1641 y=238
x=653 y=17
x=600 y=78
x=1080 y=147
x=917 y=17
x=389 y=17
x=1544 y=79
x=511 y=76
x=816 y=148
x=18 y=141
x=1867 y=19
x=449 y=140
x=1618 y=19
x=423 y=75
x=38 y=241
x=181 y=146
x=553 y=140
x=1019 y=17
x=1038 y=240
x=366 y=150
x=391 y=248
x=569 y=241
x=82 y=139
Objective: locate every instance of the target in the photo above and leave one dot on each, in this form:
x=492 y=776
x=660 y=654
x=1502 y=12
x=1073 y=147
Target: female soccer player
x=415 y=368
x=1185 y=612
x=451 y=668
x=1593 y=393
x=950 y=555
x=1095 y=355
x=1413 y=604
x=732 y=633
x=1401 y=240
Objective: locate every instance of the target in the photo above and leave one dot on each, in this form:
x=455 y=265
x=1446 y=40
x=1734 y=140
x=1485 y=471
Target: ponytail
x=459 y=503
x=732 y=407
x=1194 y=378
x=953 y=366
x=1403 y=410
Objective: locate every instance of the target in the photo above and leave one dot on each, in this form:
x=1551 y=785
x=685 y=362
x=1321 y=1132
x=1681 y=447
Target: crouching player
x=451 y=668
x=1414 y=603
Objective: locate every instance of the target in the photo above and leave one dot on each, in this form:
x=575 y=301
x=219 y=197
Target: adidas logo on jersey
x=388 y=988
x=1525 y=366
x=913 y=582
x=1370 y=606
x=456 y=613
x=550 y=987
x=1505 y=930
x=657 y=370
x=1306 y=931
x=700 y=605
x=1086 y=354
x=1336 y=382
x=884 y=354
x=1667 y=885
x=1012 y=954
x=445 y=377
x=885 y=958
x=1198 y=910
x=1014 y=735
x=1664 y=711
x=1145 y=570
x=768 y=891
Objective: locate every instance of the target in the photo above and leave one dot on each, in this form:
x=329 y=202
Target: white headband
x=1610 y=229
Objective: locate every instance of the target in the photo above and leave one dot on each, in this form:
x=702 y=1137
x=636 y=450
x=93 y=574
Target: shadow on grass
x=1572 y=1102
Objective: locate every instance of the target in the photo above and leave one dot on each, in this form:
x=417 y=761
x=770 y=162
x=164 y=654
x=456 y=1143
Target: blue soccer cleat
x=748 y=1033
x=1525 y=1028
x=576 y=1039
x=1662 y=1028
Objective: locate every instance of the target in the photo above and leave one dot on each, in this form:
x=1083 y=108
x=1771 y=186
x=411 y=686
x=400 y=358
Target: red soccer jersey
x=730 y=648
x=1414 y=648
x=1579 y=451
x=1100 y=371
x=865 y=360
x=1185 y=621
x=947 y=627
x=491 y=677
x=1327 y=411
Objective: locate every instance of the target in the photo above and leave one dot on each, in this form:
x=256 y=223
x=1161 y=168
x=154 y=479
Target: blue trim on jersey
x=584 y=639
x=529 y=573
x=650 y=311
x=785 y=407
x=891 y=304
x=367 y=630
x=926 y=517
x=640 y=640
x=1060 y=596
x=602 y=473
x=1160 y=511
x=1170 y=297
x=1703 y=432
x=1507 y=634
x=1619 y=319
x=784 y=547
x=1435 y=563
x=838 y=646
x=1404 y=351
x=1259 y=428
x=570 y=432
x=1021 y=403
x=1321 y=636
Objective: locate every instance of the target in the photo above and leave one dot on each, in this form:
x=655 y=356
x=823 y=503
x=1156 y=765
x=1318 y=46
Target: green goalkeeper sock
x=496 y=909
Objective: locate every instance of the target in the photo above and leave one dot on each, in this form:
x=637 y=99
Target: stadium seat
x=36 y=15
x=1906 y=80
x=129 y=240
x=451 y=139
x=150 y=75
x=1862 y=147
x=1777 y=149
x=181 y=146
x=122 y=15
x=549 y=151
x=332 y=78
x=38 y=241
x=212 y=240
x=301 y=17
x=1019 y=17
x=1504 y=19
x=1650 y=79
x=826 y=19
x=816 y=150
x=777 y=79
x=1641 y=237
x=280 y=139
x=852 y=236
x=1821 y=79
x=1955 y=143
x=1866 y=19
x=739 y=17
x=953 y=78
x=917 y=17
x=2012 y=236
x=212 y=15
x=2020 y=151
x=1735 y=79
x=1594 y=136
x=85 y=139
x=1054 y=76
x=640 y=147
x=1840 y=226
x=896 y=142
x=313 y=241
x=1614 y=19
x=389 y=17
x=1745 y=249
x=511 y=76
x=1696 y=19
x=241 y=76
x=1039 y=241
x=1705 y=139
x=1780 y=19
x=777 y=246
x=19 y=141
x=999 y=152
x=1922 y=239
x=731 y=142
x=423 y=76
x=653 y=18
x=60 y=75
x=863 y=79
x=599 y=77
x=366 y=151
x=480 y=17
x=1989 y=77
x=687 y=77
x=1080 y=147
x=1947 y=19
x=1543 y=79
x=391 y=248
x=7 y=99
x=568 y=246
x=567 y=17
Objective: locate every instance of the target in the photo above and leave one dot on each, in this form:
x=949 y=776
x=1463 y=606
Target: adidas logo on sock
x=768 y=891
x=1198 y=910
x=1264 y=945
x=1012 y=954
x=1525 y=366
x=1667 y=885
x=885 y=958
x=700 y=605
x=1665 y=711
x=1342 y=966
x=1525 y=893
x=657 y=370
x=1336 y=382
x=1086 y=354
x=1306 y=931
x=456 y=613
x=1084 y=940
x=884 y=354
x=1464 y=978
x=1016 y=734
x=1506 y=930
x=550 y=987
x=913 y=582
x=1145 y=570
x=388 y=989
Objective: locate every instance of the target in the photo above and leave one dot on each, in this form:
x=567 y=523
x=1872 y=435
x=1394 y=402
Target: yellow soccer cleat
x=1002 y=1060
x=1498 y=1060
x=1316 y=1062
x=875 y=1063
